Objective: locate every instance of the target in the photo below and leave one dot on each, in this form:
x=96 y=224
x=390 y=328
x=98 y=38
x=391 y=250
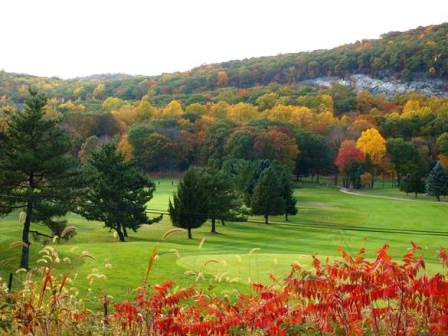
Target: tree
x=350 y=162
x=91 y=144
x=117 y=193
x=242 y=113
x=442 y=147
x=437 y=181
x=316 y=156
x=442 y=143
x=373 y=145
x=172 y=110
x=413 y=183
x=188 y=210
x=287 y=190
x=267 y=198
x=404 y=156
x=35 y=166
x=113 y=103
x=273 y=144
x=222 y=202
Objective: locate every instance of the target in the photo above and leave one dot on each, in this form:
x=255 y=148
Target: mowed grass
x=240 y=252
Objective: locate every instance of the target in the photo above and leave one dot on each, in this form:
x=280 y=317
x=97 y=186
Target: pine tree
x=287 y=190
x=267 y=198
x=188 y=210
x=35 y=166
x=222 y=202
x=413 y=183
x=117 y=193
x=437 y=182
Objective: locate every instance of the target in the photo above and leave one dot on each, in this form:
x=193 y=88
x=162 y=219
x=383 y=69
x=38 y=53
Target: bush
x=351 y=296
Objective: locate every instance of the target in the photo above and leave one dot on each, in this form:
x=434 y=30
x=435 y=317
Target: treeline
x=305 y=136
x=421 y=52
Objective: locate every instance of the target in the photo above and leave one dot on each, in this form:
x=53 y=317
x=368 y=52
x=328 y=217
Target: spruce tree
x=287 y=190
x=117 y=193
x=36 y=168
x=267 y=198
x=222 y=202
x=437 y=182
x=188 y=210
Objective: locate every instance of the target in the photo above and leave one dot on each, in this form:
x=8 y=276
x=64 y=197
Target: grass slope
x=326 y=220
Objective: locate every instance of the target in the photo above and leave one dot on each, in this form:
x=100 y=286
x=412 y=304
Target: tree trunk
x=24 y=261
x=189 y=234
x=286 y=217
x=438 y=198
x=213 y=225
x=266 y=219
x=125 y=232
x=222 y=222
x=120 y=233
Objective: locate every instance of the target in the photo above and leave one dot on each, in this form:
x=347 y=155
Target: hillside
x=418 y=56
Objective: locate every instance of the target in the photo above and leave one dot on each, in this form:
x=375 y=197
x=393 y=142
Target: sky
x=71 y=38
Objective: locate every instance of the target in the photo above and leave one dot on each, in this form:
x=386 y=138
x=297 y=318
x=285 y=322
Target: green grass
x=326 y=220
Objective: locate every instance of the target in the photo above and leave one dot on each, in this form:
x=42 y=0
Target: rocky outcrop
x=387 y=87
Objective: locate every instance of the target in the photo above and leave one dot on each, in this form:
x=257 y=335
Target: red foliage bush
x=351 y=296
x=354 y=296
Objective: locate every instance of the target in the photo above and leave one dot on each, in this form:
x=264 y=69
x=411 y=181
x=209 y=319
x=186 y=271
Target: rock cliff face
x=387 y=87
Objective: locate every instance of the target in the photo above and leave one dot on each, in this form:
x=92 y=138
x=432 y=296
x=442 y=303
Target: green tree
x=267 y=198
x=117 y=193
x=188 y=210
x=413 y=183
x=287 y=190
x=315 y=158
x=35 y=166
x=437 y=181
x=223 y=202
x=442 y=143
x=404 y=156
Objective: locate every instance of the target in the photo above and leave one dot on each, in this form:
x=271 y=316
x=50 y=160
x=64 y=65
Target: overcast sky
x=69 y=38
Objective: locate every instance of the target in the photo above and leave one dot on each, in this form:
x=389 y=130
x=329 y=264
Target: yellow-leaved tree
x=172 y=110
x=373 y=145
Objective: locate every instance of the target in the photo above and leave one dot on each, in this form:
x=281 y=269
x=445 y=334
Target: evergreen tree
x=36 y=169
x=287 y=190
x=437 y=182
x=223 y=202
x=188 y=210
x=267 y=198
x=117 y=193
x=413 y=183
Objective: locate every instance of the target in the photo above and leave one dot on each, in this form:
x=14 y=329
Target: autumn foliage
x=350 y=296
x=348 y=153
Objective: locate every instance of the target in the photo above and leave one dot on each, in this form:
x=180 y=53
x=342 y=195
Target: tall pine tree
x=36 y=169
x=117 y=193
x=437 y=181
x=222 y=202
x=188 y=210
x=287 y=190
x=267 y=198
